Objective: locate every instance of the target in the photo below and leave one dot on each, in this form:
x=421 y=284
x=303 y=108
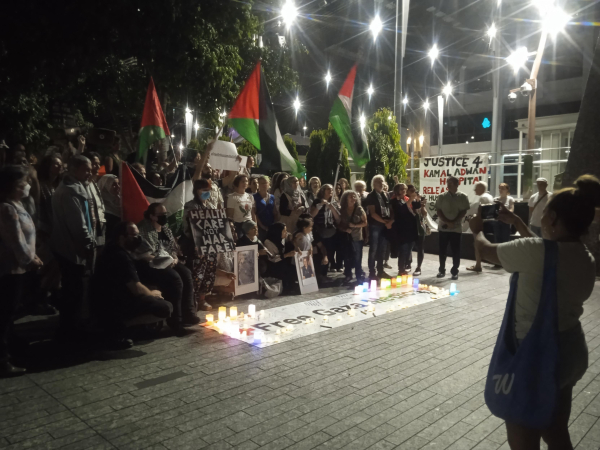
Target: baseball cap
x=541 y=179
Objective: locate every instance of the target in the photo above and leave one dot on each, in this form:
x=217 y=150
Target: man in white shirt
x=537 y=204
x=481 y=189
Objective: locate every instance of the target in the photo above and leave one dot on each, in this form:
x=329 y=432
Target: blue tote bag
x=522 y=383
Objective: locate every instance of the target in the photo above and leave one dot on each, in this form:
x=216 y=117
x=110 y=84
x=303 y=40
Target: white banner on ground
x=276 y=325
x=434 y=172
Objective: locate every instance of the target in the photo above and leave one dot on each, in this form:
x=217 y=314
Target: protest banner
x=211 y=231
x=434 y=172
x=224 y=156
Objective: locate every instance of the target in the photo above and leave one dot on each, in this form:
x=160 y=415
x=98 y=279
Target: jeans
x=448 y=237
x=378 y=243
x=175 y=284
x=501 y=232
x=353 y=259
x=536 y=230
x=73 y=280
x=11 y=286
x=404 y=253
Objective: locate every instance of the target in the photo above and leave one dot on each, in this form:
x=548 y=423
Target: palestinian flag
x=253 y=117
x=341 y=120
x=137 y=193
x=154 y=125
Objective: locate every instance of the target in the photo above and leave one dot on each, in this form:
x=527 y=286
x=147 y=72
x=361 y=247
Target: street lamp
x=405 y=101
x=376 y=27
x=289 y=12
x=196 y=126
x=491 y=32
x=426 y=106
x=328 y=79
x=370 y=91
x=297 y=105
x=305 y=130
x=421 y=140
x=447 y=91
x=518 y=58
x=434 y=53
x=408 y=140
x=554 y=21
x=363 y=121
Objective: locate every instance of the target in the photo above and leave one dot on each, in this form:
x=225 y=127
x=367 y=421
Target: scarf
x=112 y=203
x=297 y=195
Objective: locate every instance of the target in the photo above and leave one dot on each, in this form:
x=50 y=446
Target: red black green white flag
x=341 y=120
x=253 y=117
x=154 y=125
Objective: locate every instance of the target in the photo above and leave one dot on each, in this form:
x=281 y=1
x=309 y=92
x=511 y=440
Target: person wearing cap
x=537 y=204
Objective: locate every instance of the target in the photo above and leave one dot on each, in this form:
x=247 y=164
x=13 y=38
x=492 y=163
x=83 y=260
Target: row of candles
x=403 y=280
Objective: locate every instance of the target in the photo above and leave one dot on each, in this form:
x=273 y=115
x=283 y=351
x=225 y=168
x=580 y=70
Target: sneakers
x=372 y=276
x=455 y=277
x=383 y=274
x=386 y=265
x=441 y=274
x=417 y=272
x=8 y=370
x=190 y=320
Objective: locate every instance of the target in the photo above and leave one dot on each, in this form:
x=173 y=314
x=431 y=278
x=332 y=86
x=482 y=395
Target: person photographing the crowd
x=565 y=220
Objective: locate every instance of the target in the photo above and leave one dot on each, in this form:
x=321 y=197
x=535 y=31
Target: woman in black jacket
x=405 y=227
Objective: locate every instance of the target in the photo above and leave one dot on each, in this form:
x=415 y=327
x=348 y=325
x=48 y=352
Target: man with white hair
x=481 y=189
x=361 y=189
x=537 y=203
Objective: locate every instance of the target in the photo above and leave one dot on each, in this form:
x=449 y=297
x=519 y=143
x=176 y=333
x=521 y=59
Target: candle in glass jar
x=251 y=310
x=222 y=312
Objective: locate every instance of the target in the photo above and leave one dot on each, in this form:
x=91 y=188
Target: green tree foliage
x=317 y=141
x=387 y=156
x=329 y=157
x=199 y=53
x=247 y=149
x=291 y=146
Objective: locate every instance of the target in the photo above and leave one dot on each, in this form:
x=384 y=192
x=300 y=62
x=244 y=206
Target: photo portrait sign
x=245 y=268
x=434 y=173
x=211 y=231
x=307 y=276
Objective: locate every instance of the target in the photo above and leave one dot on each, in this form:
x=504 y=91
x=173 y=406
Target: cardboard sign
x=224 y=156
x=211 y=231
x=307 y=276
x=434 y=172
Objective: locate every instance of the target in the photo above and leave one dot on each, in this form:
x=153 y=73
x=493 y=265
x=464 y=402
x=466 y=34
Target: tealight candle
x=222 y=312
x=409 y=280
x=415 y=283
x=351 y=313
x=325 y=319
x=278 y=331
x=453 y=290
x=233 y=312
x=251 y=310
x=209 y=319
x=373 y=285
x=404 y=279
x=290 y=328
x=358 y=290
x=366 y=286
x=394 y=282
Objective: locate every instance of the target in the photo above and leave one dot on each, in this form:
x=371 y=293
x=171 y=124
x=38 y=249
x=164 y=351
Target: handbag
x=522 y=384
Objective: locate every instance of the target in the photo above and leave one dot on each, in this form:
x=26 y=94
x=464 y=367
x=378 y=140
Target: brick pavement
x=409 y=379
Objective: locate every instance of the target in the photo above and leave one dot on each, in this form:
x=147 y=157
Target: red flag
x=133 y=200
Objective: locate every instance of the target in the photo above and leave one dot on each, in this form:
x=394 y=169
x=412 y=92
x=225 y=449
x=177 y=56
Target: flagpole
x=337 y=171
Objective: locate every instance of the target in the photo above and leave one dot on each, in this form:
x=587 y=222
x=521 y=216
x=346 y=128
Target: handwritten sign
x=435 y=172
x=211 y=231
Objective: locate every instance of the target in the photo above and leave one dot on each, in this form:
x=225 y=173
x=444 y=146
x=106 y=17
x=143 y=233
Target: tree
x=329 y=157
x=291 y=146
x=199 y=53
x=247 y=149
x=387 y=157
x=317 y=141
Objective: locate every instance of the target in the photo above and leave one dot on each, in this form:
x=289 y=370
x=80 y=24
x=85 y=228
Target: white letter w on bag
x=501 y=383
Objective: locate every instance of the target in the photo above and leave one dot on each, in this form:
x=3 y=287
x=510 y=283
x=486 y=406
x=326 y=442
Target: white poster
x=307 y=276
x=224 y=156
x=434 y=172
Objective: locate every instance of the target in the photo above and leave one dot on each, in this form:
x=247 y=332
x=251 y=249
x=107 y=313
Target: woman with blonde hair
x=352 y=220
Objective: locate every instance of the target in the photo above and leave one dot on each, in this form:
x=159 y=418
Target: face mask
x=162 y=220
x=26 y=190
x=205 y=195
x=132 y=243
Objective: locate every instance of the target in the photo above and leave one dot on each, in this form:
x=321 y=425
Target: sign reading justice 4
x=435 y=171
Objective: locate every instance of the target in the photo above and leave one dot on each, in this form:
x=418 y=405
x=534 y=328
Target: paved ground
x=410 y=379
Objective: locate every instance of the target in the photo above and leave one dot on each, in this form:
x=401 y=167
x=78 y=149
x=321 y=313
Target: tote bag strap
x=547 y=311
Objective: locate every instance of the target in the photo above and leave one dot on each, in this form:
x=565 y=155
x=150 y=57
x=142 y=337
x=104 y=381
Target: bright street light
x=491 y=32
x=555 y=20
x=518 y=58
x=196 y=126
x=363 y=121
x=421 y=140
x=370 y=91
x=405 y=101
x=408 y=140
x=328 y=78
x=447 y=91
x=181 y=146
x=434 y=53
x=297 y=105
x=376 y=27
x=426 y=105
x=289 y=12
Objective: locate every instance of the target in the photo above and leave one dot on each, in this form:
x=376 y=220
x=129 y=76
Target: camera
x=512 y=97
x=526 y=89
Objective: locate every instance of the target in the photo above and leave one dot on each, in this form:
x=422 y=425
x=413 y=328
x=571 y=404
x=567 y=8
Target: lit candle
x=415 y=283
x=244 y=335
x=394 y=282
x=409 y=280
x=453 y=290
x=233 y=312
x=351 y=313
x=358 y=290
x=251 y=310
x=209 y=319
x=278 y=331
x=258 y=336
x=290 y=328
x=404 y=279
x=366 y=286
x=373 y=285
x=325 y=319
x=222 y=312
